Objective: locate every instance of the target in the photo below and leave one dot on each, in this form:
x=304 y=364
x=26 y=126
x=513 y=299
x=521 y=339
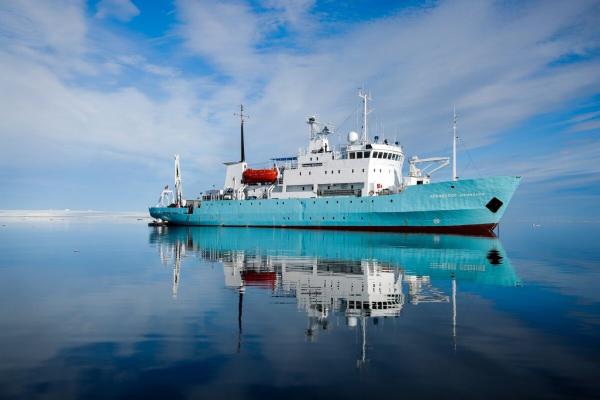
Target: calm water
x=118 y=309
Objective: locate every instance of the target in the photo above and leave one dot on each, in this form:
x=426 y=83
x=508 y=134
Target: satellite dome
x=352 y=137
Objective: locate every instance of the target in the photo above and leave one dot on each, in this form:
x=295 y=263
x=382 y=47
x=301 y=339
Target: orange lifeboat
x=254 y=176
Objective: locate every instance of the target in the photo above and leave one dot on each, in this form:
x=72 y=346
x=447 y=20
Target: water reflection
x=355 y=275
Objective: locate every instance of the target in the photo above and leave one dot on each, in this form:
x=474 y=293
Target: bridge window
x=352 y=155
x=367 y=154
x=359 y=154
x=375 y=153
x=380 y=155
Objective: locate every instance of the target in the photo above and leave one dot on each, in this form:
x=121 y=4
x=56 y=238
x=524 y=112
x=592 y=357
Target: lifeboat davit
x=254 y=176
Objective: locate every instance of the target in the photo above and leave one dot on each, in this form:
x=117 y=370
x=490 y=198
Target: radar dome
x=352 y=137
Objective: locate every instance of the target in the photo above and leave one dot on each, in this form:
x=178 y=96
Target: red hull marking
x=486 y=230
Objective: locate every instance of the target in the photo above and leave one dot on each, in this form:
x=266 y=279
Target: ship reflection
x=355 y=275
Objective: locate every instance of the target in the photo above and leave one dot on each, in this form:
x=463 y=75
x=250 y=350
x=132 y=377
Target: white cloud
x=225 y=33
x=123 y=10
x=500 y=63
x=58 y=26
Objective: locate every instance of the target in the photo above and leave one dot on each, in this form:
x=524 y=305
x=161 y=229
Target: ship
x=358 y=185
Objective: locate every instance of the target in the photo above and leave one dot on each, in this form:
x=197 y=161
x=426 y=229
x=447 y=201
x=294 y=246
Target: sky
x=96 y=97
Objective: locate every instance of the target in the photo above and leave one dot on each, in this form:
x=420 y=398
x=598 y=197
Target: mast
x=240 y=309
x=178 y=194
x=454 y=311
x=454 y=139
x=242 y=116
x=363 y=95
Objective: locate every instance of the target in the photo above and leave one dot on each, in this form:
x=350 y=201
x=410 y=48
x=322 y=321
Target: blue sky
x=98 y=96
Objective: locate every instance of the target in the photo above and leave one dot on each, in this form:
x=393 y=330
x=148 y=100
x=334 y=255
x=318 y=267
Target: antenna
x=454 y=139
x=242 y=116
x=366 y=97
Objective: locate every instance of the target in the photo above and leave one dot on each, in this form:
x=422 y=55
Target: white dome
x=352 y=137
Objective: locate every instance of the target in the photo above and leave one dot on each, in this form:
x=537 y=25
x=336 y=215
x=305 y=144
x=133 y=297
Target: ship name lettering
x=451 y=195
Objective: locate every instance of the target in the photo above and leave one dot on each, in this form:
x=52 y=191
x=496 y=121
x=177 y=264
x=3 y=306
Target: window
x=363 y=170
x=389 y=156
x=359 y=154
x=311 y=159
x=325 y=172
x=380 y=155
x=367 y=154
x=352 y=171
x=375 y=153
x=300 y=173
x=309 y=172
x=339 y=171
x=352 y=155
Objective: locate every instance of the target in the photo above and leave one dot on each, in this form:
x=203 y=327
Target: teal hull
x=458 y=206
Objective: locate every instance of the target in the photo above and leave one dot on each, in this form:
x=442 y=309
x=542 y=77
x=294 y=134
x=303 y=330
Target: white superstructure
x=360 y=167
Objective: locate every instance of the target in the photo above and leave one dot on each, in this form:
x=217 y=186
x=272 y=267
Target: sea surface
x=97 y=307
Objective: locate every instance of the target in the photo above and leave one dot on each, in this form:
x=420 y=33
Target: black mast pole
x=242 y=116
x=243 y=154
